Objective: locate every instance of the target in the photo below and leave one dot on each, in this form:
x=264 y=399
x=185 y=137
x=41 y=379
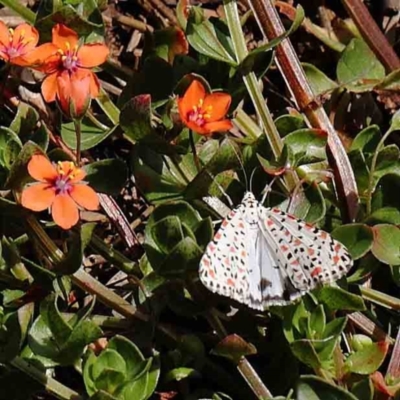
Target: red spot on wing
x=225 y=223
x=230 y=282
x=217 y=236
x=291 y=216
x=232 y=249
x=284 y=248
x=269 y=222
x=211 y=247
x=316 y=271
x=295 y=262
x=310 y=252
x=206 y=262
x=297 y=242
x=323 y=235
x=336 y=259
x=211 y=272
x=241 y=225
x=337 y=247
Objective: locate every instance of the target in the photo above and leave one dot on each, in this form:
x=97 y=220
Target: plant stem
x=52 y=386
x=78 y=132
x=380 y=298
x=194 y=151
x=18 y=8
x=372 y=171
x=252 y=85
x=296 y=80
x=372 y=34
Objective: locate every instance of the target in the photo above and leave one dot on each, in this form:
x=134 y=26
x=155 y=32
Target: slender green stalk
x=380 y=298
x=253 y=87
x=52 y=386
x=372 y=171
x=78 y=132
x=195 y=156
x=109 y=108
x=18 y=8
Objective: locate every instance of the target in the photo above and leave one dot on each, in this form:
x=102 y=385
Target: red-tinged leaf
x=367 y=360
x=234 y=347
x=380 y=384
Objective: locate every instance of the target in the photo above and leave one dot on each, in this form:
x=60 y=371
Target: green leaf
x=136 y=390
x=388 y=215
x=25 y=123
x=202 y=36
x=109 y=380
x=385 y=246
x=289 y=123
x=319 y=82
x=367 y=140
x=307 y=145
x=10 y=147
x=91 y=135
x=107 y=176
x=154 y=176
x=358 y=68
x=185 y=256
x=363 y=389
x=19 y=173
x=338 y=299
x=135 y=120
x=135 y=362
x=109 y=359
x=167 y=233
x=84 y=333
x=72 y=261
x=310 y=387
x=305 y=352
x=60 y=329
x=234 y=348
x=317 y=322
x=247 y=65
x=153 y=376
x=367 y=360
x=395 y=122
x=177 y=374
x=10 y=337
x=358 y=238
x=76 y=19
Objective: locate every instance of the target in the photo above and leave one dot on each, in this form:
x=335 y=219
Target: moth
x=263 y=256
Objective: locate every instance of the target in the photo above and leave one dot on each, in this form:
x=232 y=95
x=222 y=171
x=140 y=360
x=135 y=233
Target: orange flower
x=15 y=45
x=60 y=188
x=203 y=112
x=65 y=54
x=74 y=96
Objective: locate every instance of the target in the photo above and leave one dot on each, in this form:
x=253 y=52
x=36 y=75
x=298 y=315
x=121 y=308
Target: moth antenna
x=221 y=189
x=241 y=166
x=251 y=179
x=267 y=189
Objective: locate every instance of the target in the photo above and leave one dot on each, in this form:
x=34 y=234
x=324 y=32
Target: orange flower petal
x=44 y=58
x=38 y=196
x=65 y=211
x=92 y=55
x=85 y=196
x=218 y=126
x=191 y=98
x=202 y=130
x=27 y=35
x=64 y=38
x=94 y=85
x=41 y=169
x=79 y=175
x=49 y=87
x=4 y=34
x=219 y=104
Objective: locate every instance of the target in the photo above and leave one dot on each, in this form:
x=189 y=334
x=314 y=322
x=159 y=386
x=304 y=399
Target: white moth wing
x=224 y=267
x=309 y=255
